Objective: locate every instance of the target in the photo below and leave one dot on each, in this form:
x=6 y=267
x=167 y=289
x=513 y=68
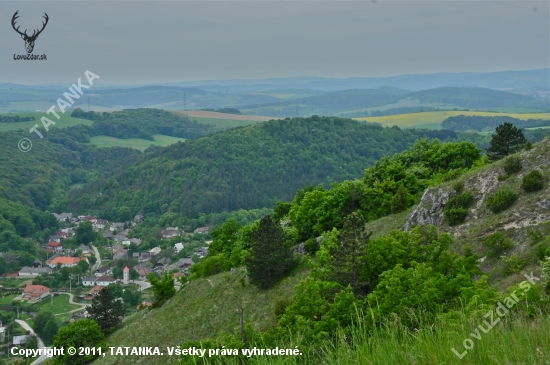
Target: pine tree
x=507 y=140
x=106 y=310
x=270 y=257
x=349 y=257
x=399 y=200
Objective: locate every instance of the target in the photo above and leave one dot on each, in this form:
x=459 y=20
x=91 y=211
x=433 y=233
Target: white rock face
x=430 y=209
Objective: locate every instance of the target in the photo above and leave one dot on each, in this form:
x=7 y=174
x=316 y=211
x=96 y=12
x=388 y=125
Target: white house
x=105 y=281
x=32 y=272
x=99 y=224
x=129 y=241
x=65 y=261
x=89 y=281
x=155 y=251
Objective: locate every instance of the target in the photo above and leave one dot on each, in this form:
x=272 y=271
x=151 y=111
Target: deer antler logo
x=29 y=40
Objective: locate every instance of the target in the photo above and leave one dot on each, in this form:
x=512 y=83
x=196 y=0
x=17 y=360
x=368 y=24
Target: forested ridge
x=142 y=123
x=244 y=168
x=483 y=123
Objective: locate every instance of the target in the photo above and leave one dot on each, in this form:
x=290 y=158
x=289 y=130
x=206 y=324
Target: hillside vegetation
x=244 y=168
x=420 y=285
x=434 y=119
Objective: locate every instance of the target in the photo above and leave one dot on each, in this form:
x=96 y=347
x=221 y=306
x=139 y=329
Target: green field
x=137 y=143
x=433 y=120
x=224 y=123
x=65 y=121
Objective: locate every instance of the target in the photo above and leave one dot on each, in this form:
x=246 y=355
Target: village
x=72 y=273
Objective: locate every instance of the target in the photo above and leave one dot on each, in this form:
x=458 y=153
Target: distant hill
x=357 y=103
x=476 y=98
x=492 y=80
x=244 y=168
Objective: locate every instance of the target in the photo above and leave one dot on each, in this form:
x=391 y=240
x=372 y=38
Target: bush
x=456 y=209
x=532 y=181
x=496 y=244
x=512 y=165
x=458 y=186
x=513 y=265
x=501 y=200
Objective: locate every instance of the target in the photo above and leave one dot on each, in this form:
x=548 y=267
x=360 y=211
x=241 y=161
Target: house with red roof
x=65 y=261
x=55 y=246
x=36 y=292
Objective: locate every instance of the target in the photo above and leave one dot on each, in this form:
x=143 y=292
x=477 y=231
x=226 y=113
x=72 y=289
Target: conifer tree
x=399 y=200
x=349 y=257
x=270 y=257
x=106 y=310
x=507 y=140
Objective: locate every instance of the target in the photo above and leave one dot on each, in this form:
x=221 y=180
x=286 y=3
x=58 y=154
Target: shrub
x=513 y=265
x=532 y=181
x=496 y=244
x=311 y=246
x=456 y=209
x=501 y=200
x=458 y=186
x=512 y=165
x=543 y=250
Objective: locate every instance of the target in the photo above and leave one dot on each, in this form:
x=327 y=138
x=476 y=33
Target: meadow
x=137 y=143
x=433 y=120
x=65 y=121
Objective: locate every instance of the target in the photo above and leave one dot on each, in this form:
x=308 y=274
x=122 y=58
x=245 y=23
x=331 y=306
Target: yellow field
x=433 y=120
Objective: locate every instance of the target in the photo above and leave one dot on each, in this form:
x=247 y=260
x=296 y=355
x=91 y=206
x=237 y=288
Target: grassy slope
x=433 y=120
x=137 y=143
x=204 y=308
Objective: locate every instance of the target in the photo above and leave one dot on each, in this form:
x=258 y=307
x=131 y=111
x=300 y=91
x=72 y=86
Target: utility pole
x=88 y=103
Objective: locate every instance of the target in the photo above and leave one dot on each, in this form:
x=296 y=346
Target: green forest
x=245 y=168
x=142 y=123
x=488 y=124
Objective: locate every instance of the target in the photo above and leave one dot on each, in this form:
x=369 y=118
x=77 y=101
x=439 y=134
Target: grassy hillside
x=186 y=317
x=65 y=121
x=433 y=120
x=137 y=143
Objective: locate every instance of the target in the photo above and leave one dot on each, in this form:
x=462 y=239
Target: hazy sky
x=153 y=42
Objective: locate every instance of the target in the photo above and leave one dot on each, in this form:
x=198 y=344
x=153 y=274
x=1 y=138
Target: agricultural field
x=223 y=120
x=65 y=121
x=433 y=120
x=137 y=143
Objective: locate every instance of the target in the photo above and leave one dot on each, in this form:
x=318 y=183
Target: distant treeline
x=486 y=124
x=15 y=119
x=223 y=110
x=143 y=123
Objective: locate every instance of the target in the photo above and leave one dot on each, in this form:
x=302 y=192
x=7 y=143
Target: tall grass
x=515 y=340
